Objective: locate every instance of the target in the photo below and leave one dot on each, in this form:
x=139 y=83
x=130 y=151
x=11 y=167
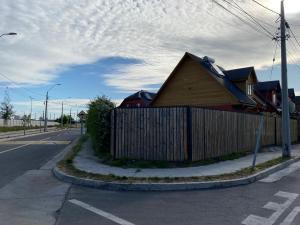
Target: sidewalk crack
x=58 y=211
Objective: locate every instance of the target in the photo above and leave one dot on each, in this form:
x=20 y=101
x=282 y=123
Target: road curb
x=9 y=138
x=52 y=162
x=179 y=186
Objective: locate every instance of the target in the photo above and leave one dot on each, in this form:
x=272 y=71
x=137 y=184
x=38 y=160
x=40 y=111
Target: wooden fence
x=189 y=133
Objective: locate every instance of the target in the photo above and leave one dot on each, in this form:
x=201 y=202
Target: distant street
x=20 y=155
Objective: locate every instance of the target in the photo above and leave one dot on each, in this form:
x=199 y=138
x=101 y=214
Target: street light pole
x=46 y=107
x=46 y=113
x=286 y=138
x=30 y=109
x=70 y=118
x=62 y=114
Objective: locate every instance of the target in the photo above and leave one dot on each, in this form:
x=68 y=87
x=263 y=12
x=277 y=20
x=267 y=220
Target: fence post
x=189 y=134
x=275 y=142
x=115 y=120
x=258 y=139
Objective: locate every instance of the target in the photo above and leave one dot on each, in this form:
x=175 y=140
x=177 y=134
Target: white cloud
x=54 y=106
x=56 y=33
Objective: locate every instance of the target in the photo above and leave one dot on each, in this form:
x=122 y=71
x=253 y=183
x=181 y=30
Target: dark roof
x=239 y=74
x=144 y=95
x=225 y=81
x=291 y=92
x=268 y=86
x=297 y=99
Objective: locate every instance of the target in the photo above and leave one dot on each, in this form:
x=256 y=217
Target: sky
x=117 y=47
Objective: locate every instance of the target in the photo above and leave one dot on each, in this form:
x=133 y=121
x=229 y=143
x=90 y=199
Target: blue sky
x=115 y=48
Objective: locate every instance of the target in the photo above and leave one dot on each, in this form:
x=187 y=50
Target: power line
x=243 y=20
x=274 y=58
x=289 y=28
x=295 y=47
x=18 y=85
x=263 y=20
x=266 y=7
x=294 y=61
x=237 y=6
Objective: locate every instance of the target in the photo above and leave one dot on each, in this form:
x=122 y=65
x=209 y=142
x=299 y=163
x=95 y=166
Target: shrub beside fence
x=189 y=133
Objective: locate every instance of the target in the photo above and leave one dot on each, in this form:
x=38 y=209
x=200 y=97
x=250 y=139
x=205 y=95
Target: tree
x=6 y=109
x=98 y=123
x=26 y=120
x=66 y=119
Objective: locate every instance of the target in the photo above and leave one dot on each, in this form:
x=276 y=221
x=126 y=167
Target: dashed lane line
x=12 y=149
x=101 y=213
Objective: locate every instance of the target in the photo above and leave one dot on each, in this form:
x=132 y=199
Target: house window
x=249 y=89
x=274 y=98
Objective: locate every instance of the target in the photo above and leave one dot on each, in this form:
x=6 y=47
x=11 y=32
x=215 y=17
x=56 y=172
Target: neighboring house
x=243 y=78
x=269 y=92
x=138 y=99
x=292 y=95
x=200 y=82
x=297 y=102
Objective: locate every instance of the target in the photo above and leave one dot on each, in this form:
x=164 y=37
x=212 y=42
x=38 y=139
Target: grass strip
x=142 y=164
x=67 y=166
x=9 y=129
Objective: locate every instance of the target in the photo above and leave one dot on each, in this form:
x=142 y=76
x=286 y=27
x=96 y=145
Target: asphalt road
x=30 y=195
x=260 y=203
x=29 y=153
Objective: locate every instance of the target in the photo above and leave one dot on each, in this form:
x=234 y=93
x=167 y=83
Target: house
x=291 y=101
x=297 y=102
x=291 y=92
x=200 y=82
x=270 y=93
x=243 y=78
x=139 y=99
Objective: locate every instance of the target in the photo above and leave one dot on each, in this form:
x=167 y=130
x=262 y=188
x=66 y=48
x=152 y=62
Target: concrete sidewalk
x=86 y=161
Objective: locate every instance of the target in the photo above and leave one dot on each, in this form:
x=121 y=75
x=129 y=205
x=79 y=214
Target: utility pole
x=46 y=107
x=30 y=110
x=286 y=137
x=46 y=113
x=77 y=117
x=70 y=117
x=62 y=114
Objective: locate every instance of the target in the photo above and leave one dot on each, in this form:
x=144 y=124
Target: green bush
x=98 y=123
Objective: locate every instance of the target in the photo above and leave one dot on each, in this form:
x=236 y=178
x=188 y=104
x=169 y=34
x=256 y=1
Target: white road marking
x=100 y=212
x=278 y=208
x=282 y=173
x=12 y=149
x=290 y=218
x=36 y=142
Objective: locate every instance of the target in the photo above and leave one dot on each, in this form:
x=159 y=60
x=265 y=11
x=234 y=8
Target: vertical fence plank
x=179 y=133
x=112 y=135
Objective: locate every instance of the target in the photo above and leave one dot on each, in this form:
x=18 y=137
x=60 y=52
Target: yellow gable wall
x=241 y=85
x=192 y=85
